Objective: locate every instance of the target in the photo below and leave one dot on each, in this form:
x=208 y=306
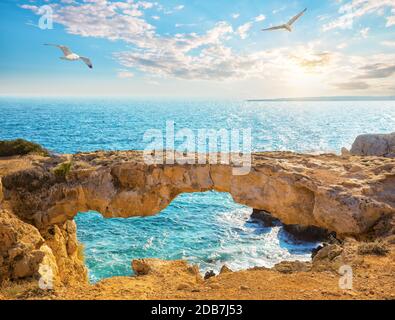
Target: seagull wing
x=274 y=28
x=290 y=22
x=87 y=62
x=66 y=51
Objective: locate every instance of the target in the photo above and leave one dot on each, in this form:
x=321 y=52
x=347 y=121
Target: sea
x=208 y=229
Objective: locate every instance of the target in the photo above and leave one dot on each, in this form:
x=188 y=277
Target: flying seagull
x=70 y=56
x=288 y=25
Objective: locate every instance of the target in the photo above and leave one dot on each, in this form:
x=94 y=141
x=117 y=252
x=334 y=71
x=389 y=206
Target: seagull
x=70 y=56
x=288 y=25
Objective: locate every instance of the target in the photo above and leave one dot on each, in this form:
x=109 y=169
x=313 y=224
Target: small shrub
x=63 y=169
x=20 y=147
x=373 y=248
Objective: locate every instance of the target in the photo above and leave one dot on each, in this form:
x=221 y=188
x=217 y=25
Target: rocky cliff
x=350 y=196
x=382 y=145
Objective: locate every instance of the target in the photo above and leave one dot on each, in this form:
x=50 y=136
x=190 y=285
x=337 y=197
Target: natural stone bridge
x=327 y=191
x=348 y=195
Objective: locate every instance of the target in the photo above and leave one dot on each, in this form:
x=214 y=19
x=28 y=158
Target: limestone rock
x=22 y=250
x=68 y=253
x=382 y=145
x=157 y=267
x=292 y=266
x=141 y=267
x=330 y=257
x=345 y=152
x=309 y=233
x=350 y=196
x=306 y=190
x=265 y=217
x=225 y=269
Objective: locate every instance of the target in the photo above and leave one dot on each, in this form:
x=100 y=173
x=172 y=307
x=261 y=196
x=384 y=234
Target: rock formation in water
x=350 y=196
x=299 y=232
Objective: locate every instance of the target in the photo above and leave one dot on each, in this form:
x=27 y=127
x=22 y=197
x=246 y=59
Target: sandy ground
x=374 y=278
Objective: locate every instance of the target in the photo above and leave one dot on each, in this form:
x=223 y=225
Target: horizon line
x=317 y=98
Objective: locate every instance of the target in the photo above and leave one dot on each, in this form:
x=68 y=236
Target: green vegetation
x=63 y=169
x=376 y=248
x=20 y=147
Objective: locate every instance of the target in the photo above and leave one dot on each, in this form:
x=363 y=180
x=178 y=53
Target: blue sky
x=199 y=48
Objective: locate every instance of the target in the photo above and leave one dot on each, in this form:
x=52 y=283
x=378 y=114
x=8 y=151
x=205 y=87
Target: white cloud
x=364 y=32
x=356 y=9
x=30 y=7
x=179 y=7
x=390 y=20
x=145 y=4
x=179 y=25
x=235 y=15
x=207 y=56
x=242 y=31
x=125 y=74
x=388 y=43
x=275 y=11
x=260 y=18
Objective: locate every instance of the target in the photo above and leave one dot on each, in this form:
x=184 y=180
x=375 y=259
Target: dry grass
x=14 y=290
x=63 y=169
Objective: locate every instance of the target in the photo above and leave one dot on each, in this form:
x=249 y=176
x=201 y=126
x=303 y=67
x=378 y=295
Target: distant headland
x=335 y=98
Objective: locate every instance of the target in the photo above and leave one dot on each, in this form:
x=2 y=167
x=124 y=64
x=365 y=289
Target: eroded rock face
x=382 y=145
x=23 y=251
x=303 y=233
x=349 y=196
x=152 y=266
x=49 y=256
x=265 y=218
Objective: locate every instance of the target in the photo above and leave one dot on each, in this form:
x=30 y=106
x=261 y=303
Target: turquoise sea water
x=208 y=228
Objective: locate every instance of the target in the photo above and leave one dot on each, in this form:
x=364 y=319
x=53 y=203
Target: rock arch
x=346 y=195
x=341 y=195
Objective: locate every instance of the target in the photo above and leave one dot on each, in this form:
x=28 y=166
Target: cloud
x=179 y=7
x=30 y=7
x=377 y=71
x=314 y=60
x=216 y=61
x=179 y=25
x=364 y=32
x=390 y=20
x=208 y=55
x=260 y=18
x=242 y=31
x=352 y=86
x=388 y=43
x=356 y=9
x=125 y=74
x=235 y=15
x=275 y=11
x=104 y=19
x=342 y=45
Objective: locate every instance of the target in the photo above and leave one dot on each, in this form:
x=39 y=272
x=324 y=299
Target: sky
x=198 y=48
